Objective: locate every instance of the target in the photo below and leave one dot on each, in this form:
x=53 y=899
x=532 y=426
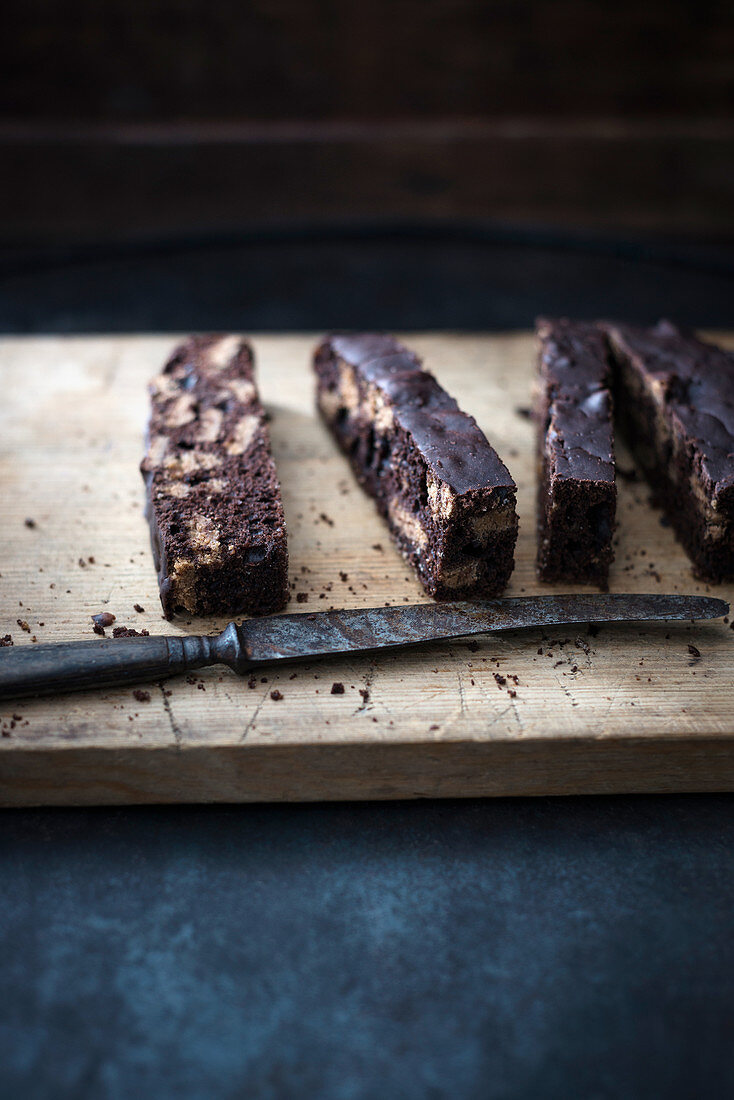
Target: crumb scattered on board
x=101 y=620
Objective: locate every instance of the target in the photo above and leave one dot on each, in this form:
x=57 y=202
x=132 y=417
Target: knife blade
x=72 y=666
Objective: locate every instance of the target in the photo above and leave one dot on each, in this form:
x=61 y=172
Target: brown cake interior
x=217 y=523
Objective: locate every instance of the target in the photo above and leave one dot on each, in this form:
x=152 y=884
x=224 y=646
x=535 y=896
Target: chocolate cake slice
x=576 y=490
x=213 y=496
x=675 y=403
x=447 y=497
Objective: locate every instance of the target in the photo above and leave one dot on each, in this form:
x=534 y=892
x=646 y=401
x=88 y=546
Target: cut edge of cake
x=213 y=497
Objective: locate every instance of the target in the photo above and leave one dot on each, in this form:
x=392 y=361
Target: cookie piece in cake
x=576 y=489
x=213 y=496
x=447 y=497
x=675 y=403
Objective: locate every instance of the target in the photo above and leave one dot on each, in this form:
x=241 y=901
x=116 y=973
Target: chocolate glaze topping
x=451 y=442
x=575 y=368
x=694 y=381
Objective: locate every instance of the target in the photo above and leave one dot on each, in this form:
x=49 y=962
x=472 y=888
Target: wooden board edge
x=458 y=769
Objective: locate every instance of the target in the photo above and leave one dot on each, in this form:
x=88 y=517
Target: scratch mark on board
x=255 y=713
x=175 y=728
x=368 y=680
x=462 y=702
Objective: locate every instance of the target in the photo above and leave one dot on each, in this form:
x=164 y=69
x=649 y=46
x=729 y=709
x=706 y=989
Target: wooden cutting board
x=621 y=709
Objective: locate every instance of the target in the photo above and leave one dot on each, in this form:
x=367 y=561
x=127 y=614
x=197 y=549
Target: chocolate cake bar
x=447 y=497
x=213 y=497
x=675 y=402
x=576 y=489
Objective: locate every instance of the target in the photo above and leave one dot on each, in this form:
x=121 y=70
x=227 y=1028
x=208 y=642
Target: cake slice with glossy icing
x=448 y=498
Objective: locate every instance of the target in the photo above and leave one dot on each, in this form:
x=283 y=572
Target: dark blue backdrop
x=549 y=948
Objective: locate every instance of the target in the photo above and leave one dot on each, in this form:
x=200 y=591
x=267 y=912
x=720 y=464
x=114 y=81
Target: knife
x=73 y=666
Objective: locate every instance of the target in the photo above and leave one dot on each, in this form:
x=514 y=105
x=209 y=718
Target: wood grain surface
x=622 y=709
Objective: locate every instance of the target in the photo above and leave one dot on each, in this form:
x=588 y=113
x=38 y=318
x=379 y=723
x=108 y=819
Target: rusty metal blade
x=285 y=637
x=46 y=669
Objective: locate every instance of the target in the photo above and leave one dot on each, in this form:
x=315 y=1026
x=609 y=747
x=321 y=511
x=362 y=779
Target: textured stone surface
x=498 y=949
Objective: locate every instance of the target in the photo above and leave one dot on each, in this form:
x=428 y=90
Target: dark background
x=147 y=117
x=438 y=164
x=176 y=164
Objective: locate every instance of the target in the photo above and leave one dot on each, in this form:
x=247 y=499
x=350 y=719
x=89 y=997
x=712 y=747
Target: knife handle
x=73 y=666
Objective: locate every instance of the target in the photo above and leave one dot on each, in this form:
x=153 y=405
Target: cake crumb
x=101 y=620
x=6 y=640
x=128 y=632
x=141 y=695
x=337 y=688
x=276 y=695
x=138 y=608
x=302 y=597
x=501 y=681
x=29 y=522
x=23 y=625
